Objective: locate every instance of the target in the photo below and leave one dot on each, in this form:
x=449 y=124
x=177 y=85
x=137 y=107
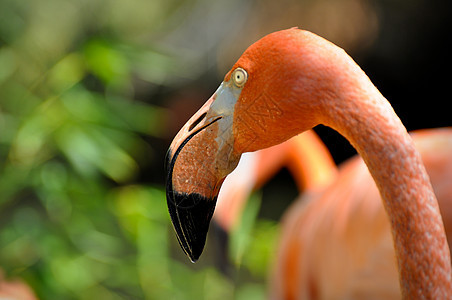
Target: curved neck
x=310 y=162
x=367 y=120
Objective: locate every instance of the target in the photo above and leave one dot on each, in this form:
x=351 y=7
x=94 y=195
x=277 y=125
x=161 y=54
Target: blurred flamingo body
x=287 y=83
x=337 y=244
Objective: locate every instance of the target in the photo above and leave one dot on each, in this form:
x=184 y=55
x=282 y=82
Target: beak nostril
x=197 y=121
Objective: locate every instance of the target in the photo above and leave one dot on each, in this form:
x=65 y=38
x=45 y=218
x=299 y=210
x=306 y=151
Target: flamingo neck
x=367 y=120
x=310 y=162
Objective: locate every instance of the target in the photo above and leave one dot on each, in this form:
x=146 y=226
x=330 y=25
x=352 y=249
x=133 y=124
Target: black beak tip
x=194 y=257
x=190 y=215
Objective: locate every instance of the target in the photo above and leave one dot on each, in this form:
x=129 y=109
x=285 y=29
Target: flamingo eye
x=239 y=76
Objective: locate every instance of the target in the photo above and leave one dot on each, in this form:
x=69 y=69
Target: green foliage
x=75 y=223
x=253 y=241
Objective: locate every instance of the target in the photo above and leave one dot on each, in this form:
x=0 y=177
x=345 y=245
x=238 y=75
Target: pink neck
x=368 y=121
x=310 y=162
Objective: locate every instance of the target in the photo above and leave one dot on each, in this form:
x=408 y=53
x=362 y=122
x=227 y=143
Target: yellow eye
x=239 y=76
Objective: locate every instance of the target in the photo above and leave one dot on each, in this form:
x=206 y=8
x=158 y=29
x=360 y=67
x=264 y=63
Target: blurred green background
x=91 y=94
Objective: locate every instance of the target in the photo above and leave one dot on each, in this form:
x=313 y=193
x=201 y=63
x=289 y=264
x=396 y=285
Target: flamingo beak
x=198 y=160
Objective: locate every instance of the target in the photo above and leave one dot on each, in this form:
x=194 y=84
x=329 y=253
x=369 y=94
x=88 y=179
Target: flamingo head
x=258 y=105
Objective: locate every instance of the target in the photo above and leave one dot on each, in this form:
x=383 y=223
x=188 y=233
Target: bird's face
x=255 y=107
x=200 y=157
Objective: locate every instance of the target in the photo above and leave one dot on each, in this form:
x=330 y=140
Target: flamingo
x=344 y=218
x=286 y=83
